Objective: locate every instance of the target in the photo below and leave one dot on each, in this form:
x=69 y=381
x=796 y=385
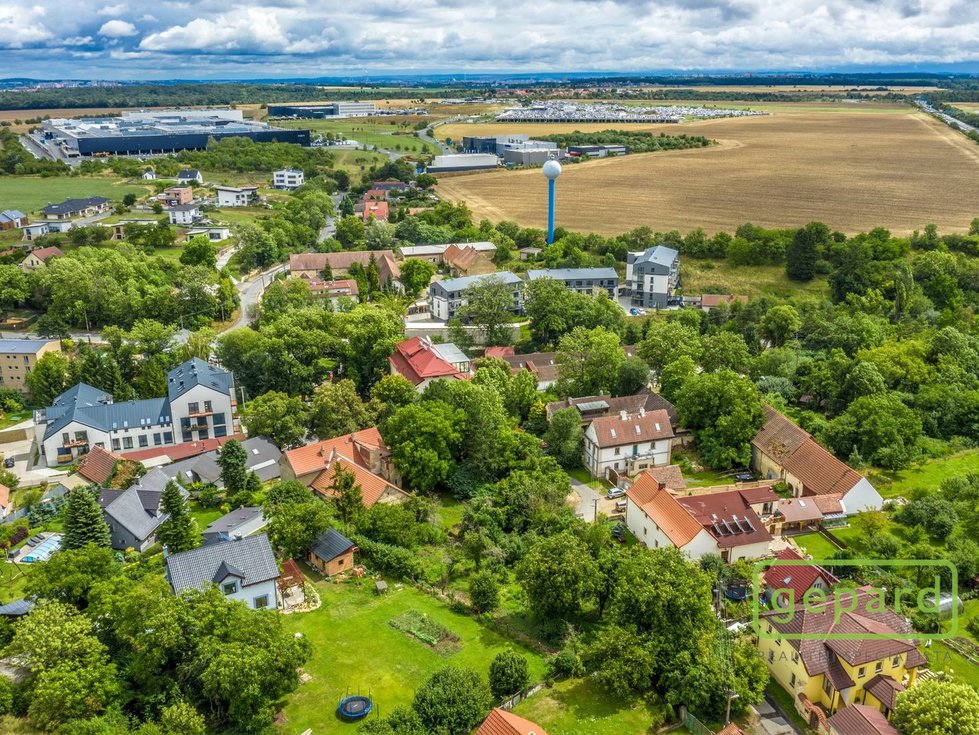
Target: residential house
x=530 y=253
x=5 y=503
x=722 y=523
x=463 y=260
x=786 y=584
x=243 y=569
x=628 y=443
x=149 y=175
x=447 y=297
x=288 y=178
x=98 y=465
x=369 y=210
x=877 y=660
x=710 y=301
x=72 y=208
x=593 y=407
x=12 y=219
x=39 y=258
x=797 y=514
x=237 y=524
x=653 y=276
x=176 y=196
x=366 y=448
x=19 y=356
x=312 y=265
x=184 y=214
x=37 y=229
x=236 y=196
x=214 y=233
x=587 y=281
x=787 y=453
x=860 y=719
x=389 y=185
x=261 y=457
x=542 y=365
x=421 y=361
x=333 y=290
x=503 y=722
x=435 y=252
x=199 y=404
x=190 y=176
x=332 y=553
x=133 y=516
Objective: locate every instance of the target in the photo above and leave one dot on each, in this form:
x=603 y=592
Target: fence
x=693 y=724
x=521 y=696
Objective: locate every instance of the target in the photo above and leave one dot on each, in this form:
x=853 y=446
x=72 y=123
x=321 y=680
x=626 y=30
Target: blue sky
x=250 y=39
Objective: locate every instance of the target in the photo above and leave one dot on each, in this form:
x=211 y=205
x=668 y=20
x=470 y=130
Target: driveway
x=588 y=500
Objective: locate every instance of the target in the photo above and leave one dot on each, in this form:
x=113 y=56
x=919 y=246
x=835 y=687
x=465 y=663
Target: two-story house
x=446 y=297
x=288 y=178
x=236 y=196
x=628 y=442
x=244 y=569
x=875 y=661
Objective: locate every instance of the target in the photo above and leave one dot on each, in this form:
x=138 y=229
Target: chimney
x=624 y=415
x=642 y=412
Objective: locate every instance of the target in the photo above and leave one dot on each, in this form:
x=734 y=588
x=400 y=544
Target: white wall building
x=184 y=214
x=288 y=178
x=628 y=443
x=236 y=196
x=242 y=569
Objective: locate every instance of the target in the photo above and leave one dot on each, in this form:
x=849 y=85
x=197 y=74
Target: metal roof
x=128 y=509
x=262 y=459
x=74 y=205
x=461 y=284
x=660 y=254
x=16 y=608
x=330 y=545
x=196 y=372
x=250 y=556
x=571 y=274
x=22 y=346
x=234 y=520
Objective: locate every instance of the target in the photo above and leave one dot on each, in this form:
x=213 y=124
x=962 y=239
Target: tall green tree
x=724 y=411
x=50 y=378
x=83 y=521
x=337 y=410
x=489 y=308
x=558 y=575
x=280 y=417
x=565 y=437
x=452 y=701
x=233 y=461
x=803 y=252
x=179 y=531
x=424 y=439
x=937 y=707
x=588 y=362
x=509 y=674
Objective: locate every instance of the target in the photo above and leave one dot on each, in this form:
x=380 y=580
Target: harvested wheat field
x=854 y=169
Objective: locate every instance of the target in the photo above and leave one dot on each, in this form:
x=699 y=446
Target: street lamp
x=552 y=169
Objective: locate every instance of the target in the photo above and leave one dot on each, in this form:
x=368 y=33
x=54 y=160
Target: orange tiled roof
x=501 y=722
x=316 y=456
x=98 y=465
x=664 y=510
x=372 y=486
x=4 y=496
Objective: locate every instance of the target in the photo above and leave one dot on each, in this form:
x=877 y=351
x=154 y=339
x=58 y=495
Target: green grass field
x=30 y=193
x=356 y=650
x=928 y=475
x=580 y=707
x=708 y=276
x=816 y=544
x=378 y=132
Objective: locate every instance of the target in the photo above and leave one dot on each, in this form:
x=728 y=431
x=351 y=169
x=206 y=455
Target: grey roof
x=251 y=557
x=660 y=254
x=154 y=481
x=188 y=173
x=110 y=416
x=461 y=284
x=330 y=545
x=22 y=346
x=262 y=458
x=74 y=205
x=184 y=207
x=451 y=353
x=12 y=215
x=570 y=274
x=196 y=372
x=128 y=509
x=231 y=522
x=16 y=608
x=58 y=491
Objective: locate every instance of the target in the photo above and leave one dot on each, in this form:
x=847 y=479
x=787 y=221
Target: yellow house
x=19 y=356
x=825 y=676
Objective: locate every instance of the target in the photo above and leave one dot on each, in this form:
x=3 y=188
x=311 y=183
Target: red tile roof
x=500 y=352
x=664 y=510
x=612 y=431
x=859 y=719
x=670 y=476
x=731 y=729
x=316 y=456
x=346 y=287
x=341 y=262
x=829 y=504
x=760 y=494
x=798 y=510
x=796 y=578
x=43 y=254
x=885 y=689
x=4 y=496
x=710 y=300
x=501 y=722
x=98 y=465
x=372 y=486
x=417 y=360
x=184 y=450
x=728 y=517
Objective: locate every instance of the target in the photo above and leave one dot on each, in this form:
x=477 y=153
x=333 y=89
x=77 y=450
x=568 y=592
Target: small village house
x=332 y=553
x=628 y=443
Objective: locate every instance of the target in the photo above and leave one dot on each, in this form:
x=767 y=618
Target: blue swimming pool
x=43 y=550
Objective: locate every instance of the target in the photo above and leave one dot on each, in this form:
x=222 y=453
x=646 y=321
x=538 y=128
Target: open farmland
x=30 y=193
x=851 y=166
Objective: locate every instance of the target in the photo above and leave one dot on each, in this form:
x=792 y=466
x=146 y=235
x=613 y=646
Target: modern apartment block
x=653 y=276
x=582 y=280
x=445 y=298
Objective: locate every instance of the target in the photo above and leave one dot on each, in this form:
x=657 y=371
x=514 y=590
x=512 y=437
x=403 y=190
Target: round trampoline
x=355 y=707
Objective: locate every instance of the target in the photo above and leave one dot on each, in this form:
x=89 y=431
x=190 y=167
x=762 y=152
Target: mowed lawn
x=581 y=707
x=383 y=132
x=928 y=475
x=356 y=650
x=30 y=193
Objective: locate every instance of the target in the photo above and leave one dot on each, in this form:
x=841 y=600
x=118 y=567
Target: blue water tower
x=552 y=169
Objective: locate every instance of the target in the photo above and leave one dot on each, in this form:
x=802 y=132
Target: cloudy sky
x=202 y=39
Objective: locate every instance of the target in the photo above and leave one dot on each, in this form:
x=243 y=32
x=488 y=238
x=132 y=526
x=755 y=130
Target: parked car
x=621 y=505
x=634 y=311
x=615 y=492
x=8 y=462
x=744 y=476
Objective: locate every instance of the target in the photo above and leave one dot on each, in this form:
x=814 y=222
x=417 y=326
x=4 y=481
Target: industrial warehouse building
x=462 y=162
x=156 y=133
x=332 y=109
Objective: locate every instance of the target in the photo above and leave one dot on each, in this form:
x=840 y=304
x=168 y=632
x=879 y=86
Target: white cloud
x=253 y=29
x=112 y=9
x=21 y=27
x=117 y=29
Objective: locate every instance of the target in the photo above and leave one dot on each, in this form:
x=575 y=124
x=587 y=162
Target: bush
x=565 y=665
x=453 y=701
x=484 y=592
x=508 y=674
x=388 y=559
x=6 y=695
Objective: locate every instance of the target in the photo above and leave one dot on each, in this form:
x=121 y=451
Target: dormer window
x=229 y=588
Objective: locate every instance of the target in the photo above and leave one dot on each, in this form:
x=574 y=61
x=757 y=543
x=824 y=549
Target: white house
x=190 y=176
x=236 y=196
x=149 y=175
x=243 y=569
x=184 y=214
x=288 y=178
x=721 y=523
x=628 y=443
x=200 y=404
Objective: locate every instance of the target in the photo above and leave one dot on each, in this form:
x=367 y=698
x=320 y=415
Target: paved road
x=250 y=293
x=945 y=117
x=589 y=500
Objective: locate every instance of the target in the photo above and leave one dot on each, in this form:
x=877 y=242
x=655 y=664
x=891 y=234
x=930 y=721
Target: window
x=259 y=602
x=771 y=656
x=193 y=407
x=168 y=437
x=879 y=667
x=207 y=406
x=792 y=680
x=127 y=442
x=618 y=451
x=65 y=437
x=795 y=657
x=862 y=672
x=827 y=687
x=229 y=588
x=187 y=436
x=115 y=445
x=144 y=440
x=157 y=439
x=221 y=430
x=896 y=661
